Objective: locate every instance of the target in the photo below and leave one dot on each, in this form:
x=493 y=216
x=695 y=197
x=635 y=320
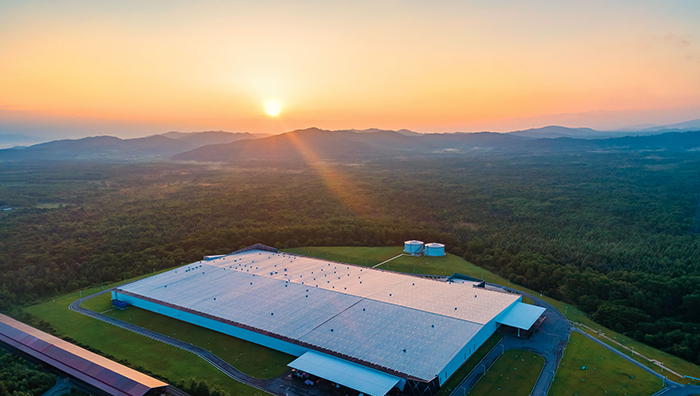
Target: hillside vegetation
x=614 y=234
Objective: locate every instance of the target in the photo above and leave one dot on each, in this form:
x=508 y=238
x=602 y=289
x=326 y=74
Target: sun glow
x=272 y=107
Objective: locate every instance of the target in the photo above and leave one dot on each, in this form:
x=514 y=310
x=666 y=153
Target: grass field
x=467 y=367
x=451 y=264
x=154 y=356
x=605 y=373
x=252 y=359
x=513 y=374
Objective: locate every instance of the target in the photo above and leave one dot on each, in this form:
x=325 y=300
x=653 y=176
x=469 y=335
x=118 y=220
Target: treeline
x=21 y=378
x=658 y=310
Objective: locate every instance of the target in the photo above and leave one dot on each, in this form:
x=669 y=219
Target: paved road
x=283 y=385
x=549 y=341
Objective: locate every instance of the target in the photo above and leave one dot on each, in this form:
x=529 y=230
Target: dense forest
x=20 y=378
x=616 y=234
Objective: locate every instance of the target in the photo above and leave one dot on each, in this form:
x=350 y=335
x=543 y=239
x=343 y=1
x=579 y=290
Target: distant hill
x=692 y=125
x=315 y=144
x=669 y=141
x=110 y=148
x=404 y=132
x=205 y=138
x=319 y=144
x=99 y=148
x=555 y=131
x=311 y=144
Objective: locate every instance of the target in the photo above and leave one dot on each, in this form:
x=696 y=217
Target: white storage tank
x=435 y=250
x=413 y=247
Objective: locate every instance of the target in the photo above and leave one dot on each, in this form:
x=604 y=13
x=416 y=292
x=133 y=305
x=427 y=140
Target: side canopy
x=521 y=316
x=351 y=375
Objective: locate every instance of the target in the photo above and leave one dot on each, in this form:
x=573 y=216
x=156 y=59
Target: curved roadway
x=282 y=385
x=549 y=341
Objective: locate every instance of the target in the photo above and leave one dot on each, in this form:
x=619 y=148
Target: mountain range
x=314 y=144
x=110 y=148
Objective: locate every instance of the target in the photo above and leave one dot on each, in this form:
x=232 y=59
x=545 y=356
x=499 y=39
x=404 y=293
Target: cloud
x=681 y=40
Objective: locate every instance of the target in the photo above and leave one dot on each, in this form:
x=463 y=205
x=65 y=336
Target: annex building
x=99 y=374
x=368 y=329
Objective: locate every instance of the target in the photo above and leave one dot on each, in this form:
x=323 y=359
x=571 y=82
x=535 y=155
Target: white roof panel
x=402 y=339
x=473 y=304
x=353 y=376
x=521 y=315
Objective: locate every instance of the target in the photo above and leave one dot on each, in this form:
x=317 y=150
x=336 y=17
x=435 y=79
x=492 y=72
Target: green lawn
x=353 y=255
x=605 y=373
x=467 y=367
x=252 y=359
x=513 y=374
x=451 y=264
x=154 y=356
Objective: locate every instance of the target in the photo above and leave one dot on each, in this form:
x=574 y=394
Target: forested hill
x=319 y=145
x=110 y=148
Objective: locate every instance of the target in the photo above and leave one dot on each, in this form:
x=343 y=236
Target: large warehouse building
x=367 y=329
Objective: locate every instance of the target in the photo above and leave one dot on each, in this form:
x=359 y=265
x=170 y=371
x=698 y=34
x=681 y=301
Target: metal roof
x=353 y=376
x=521 y=315
x=94 y=369
x=374 y=314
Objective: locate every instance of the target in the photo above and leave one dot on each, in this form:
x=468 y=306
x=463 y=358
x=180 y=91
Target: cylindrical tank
x=435 y=250
x=413 y=247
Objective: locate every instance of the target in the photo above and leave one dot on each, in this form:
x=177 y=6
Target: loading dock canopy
x=351 y=375
x=521 y=316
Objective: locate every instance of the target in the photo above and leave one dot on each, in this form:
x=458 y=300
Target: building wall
x=234 y=331
x=478 y=340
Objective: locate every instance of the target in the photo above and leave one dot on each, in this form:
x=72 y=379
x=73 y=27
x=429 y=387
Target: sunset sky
x=132 y=68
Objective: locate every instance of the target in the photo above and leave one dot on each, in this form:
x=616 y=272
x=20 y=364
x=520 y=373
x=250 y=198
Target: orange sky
x=130 y=69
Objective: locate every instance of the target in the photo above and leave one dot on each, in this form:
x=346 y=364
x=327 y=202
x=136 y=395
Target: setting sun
x=272 y=107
